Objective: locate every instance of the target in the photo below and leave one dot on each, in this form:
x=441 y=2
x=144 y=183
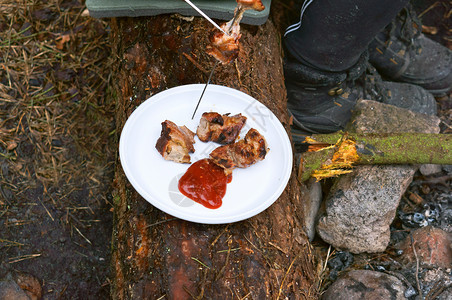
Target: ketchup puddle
x=205 y=183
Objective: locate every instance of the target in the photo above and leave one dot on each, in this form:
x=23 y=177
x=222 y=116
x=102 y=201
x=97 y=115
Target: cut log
x=157 y=256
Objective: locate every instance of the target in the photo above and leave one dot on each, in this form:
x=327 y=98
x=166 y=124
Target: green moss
x=400 y=148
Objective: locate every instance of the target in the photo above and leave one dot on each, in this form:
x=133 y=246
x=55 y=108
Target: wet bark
x=156 y=255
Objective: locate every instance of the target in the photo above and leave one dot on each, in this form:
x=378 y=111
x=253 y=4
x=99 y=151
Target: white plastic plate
x=251 y=191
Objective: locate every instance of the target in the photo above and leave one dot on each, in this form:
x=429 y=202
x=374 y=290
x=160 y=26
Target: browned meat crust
x=252 y=4
x=241 y=154
x=225 y=47
x=222 y=129
x=175 y=143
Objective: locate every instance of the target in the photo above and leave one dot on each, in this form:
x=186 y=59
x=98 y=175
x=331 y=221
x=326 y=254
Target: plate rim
x=152 y=100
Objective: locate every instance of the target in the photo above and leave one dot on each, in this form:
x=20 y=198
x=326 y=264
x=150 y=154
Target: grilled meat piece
x=241 y=154
x=222 y=129
x=175 y=143
x=252 y=4
x=225 y=47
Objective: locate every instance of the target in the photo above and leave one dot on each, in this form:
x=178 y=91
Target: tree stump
x=156 y=256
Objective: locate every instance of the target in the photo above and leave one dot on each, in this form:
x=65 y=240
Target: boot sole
x=220 y=9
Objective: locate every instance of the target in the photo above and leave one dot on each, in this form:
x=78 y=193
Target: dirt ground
x=58 y=142
x=56 y=147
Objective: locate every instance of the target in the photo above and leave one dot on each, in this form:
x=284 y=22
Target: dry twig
x=417 y=265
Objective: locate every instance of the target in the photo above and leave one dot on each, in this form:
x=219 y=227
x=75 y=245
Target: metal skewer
x=213 y=68
x=205 y=87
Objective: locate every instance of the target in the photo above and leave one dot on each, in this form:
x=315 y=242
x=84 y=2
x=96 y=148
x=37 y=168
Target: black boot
x=325 y=65
x=321 y=102
x=402 y=53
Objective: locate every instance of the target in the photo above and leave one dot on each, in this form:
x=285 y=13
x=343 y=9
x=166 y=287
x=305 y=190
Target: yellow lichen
x=341 y=162
x=323 y=174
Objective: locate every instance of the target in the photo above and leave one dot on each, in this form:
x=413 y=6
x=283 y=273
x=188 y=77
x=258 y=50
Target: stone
x=365 y=284
x=430 y=169
x=372 y=116
x=447 y=169
x=358 y=212
x=432 y=245
x=311 y=207
x=341 y=261
x=29 y=284
x=20 y=286
x=10 y=290
x=361 y=205
x=445 y=222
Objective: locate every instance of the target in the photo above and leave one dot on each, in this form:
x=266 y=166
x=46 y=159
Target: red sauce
x=205 y=183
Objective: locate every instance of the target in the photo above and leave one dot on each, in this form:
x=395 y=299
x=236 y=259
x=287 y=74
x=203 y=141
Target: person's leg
x=332 y=35
x=326 y=60
x=402 y=53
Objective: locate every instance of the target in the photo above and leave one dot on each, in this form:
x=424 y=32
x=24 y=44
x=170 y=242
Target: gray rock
x=311 y=207
x=359 y=211
x=361 y=205
x=429 y=169
x=365 y=284
x=372 y=116
x=20 y=286
x=447 y=169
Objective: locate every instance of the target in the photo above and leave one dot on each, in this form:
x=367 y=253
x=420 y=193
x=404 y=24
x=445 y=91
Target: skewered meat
x=223 y=47
x=241 y=154
x=175 y=142
x=221 y=129
x=253 y=4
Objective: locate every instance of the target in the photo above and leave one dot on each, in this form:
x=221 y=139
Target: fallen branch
x=330 y=155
